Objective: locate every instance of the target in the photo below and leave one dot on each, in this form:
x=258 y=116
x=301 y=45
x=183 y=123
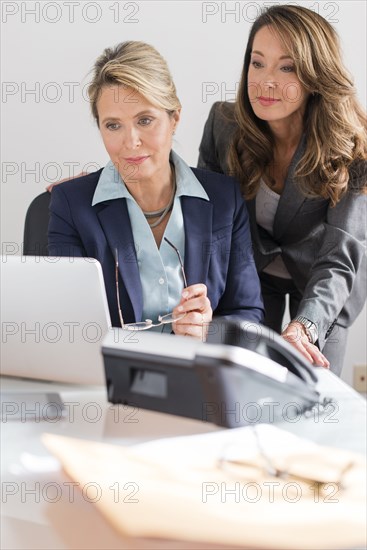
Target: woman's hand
x=51 y=185
x=295 y=334
x=198 y=312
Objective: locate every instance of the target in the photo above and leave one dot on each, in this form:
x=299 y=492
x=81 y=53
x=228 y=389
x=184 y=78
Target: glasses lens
x=170 y=318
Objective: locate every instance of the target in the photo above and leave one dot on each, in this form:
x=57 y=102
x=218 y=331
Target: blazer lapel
x=120 y=237
x=198 y=221
x=291 y=199
x=197 y=214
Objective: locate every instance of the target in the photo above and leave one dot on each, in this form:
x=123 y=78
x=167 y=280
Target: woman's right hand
x=195 y=305
x=49 y=187
x=296 y=335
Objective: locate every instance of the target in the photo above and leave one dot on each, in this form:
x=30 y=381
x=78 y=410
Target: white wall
x=49 y=47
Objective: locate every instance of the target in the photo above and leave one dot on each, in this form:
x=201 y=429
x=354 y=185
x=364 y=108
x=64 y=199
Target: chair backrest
x=36 y=226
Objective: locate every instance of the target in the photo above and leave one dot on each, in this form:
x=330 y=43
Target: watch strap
x=310 y=328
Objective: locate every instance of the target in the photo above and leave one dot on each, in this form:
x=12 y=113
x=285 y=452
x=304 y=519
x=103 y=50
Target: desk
x=30 y=521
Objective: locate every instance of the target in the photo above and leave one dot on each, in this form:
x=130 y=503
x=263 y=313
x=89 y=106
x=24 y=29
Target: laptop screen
x=54 y=317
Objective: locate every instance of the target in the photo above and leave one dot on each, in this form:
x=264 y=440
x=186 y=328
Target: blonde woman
x=174 y=242
x=296 y=140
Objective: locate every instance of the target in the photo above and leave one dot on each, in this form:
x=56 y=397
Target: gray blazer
x=323 y=248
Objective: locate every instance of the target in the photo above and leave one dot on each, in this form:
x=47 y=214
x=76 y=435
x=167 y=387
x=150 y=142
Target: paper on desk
x=179 y=488
x=288 y=453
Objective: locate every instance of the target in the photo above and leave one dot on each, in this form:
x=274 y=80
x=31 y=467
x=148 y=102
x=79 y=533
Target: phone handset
x=263 y=341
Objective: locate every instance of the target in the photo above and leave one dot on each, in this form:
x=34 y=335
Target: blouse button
x=161 y=281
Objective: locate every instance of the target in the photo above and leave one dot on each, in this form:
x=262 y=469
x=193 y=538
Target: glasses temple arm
x=117 y=288
x=179 y=259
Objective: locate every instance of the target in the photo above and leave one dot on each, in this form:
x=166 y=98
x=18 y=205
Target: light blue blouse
x=159 y=268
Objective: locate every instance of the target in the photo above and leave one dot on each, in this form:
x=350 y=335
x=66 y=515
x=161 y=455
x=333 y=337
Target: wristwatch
x=310 y=328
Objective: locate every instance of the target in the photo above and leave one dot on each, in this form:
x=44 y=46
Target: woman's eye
x=288 y=69
x=256 y=64
x=112 y=126
x=145 y=121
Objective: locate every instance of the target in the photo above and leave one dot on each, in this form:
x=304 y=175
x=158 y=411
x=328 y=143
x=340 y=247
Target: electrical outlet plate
x=360 y=378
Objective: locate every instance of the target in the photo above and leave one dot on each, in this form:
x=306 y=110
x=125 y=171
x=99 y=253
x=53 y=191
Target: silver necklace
x=162 y=213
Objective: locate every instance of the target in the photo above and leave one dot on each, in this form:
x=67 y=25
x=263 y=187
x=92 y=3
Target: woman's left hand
x=198 y=312
x=295 y=334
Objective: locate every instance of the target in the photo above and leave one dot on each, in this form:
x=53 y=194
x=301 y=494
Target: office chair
x=36 y=226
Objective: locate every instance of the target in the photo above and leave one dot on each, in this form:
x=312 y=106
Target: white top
x=266 y=206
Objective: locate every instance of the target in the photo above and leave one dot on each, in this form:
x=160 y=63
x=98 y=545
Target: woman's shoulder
x=80 y=186
x=224 y=108
x=219 y=130
x=358 y=175
x=216 y=184
x=222 y=114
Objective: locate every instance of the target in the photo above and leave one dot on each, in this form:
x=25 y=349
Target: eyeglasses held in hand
x=148 y=323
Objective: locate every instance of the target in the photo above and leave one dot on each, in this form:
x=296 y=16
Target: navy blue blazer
x=218 y=249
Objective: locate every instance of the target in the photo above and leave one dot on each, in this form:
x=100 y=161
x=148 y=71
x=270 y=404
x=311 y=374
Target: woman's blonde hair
x=334 y=122
x=138 y=66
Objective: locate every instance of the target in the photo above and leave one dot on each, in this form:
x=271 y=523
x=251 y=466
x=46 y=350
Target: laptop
x=54 y=317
